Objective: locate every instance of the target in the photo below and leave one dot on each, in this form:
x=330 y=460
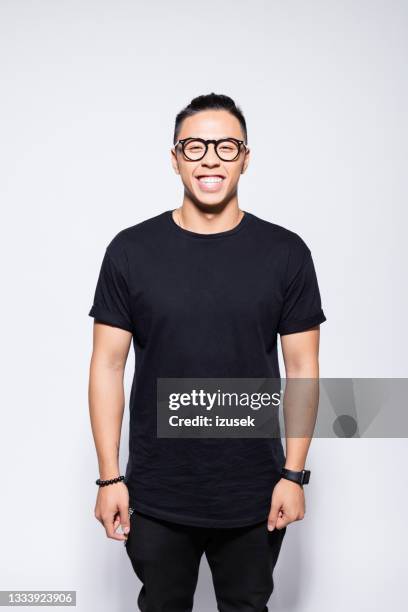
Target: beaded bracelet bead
x=103 y=483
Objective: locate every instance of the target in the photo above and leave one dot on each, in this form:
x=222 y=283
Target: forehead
x=211 y=124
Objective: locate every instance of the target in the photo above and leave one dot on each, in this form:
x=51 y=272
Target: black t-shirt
x=198 y=306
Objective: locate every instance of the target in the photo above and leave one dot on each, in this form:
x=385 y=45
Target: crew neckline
x=186 y=232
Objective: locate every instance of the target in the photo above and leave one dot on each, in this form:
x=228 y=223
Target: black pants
x=166 y=558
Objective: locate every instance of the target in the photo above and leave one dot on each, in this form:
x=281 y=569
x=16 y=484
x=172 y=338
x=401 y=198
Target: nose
x=210 y=158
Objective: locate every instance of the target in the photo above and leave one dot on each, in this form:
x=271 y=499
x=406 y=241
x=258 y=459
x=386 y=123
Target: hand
x=287 y=505
x=112 y=509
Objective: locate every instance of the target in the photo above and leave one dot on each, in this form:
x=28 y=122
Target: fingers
x=112 y=522
x=284 y=521
x=125 y=519
x=109 y=525
x=117 y=522
x=281 y=515
x=285 y=518
x=273 y=515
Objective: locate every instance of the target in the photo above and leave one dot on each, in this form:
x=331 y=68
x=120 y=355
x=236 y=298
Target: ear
x=174 y=161
x=246 y=160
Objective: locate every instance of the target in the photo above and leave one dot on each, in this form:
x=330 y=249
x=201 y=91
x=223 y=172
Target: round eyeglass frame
x=216 y=143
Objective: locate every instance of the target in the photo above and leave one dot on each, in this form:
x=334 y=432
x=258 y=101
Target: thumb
x=125 y=519
x=273 y=515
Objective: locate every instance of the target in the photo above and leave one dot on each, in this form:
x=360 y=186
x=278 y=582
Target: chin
x=208 y=205
x=212 y=199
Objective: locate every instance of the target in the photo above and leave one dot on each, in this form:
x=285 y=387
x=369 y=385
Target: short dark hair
x=210 y=101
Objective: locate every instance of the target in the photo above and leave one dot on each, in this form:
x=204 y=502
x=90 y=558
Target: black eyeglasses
x=227 y=149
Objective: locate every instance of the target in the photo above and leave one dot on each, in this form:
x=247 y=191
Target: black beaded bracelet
x=103 y=483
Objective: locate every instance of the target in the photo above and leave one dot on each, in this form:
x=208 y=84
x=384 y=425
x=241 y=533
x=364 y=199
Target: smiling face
x=210 y=181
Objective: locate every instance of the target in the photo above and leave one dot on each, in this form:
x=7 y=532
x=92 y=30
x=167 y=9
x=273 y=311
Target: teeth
x=210 y=179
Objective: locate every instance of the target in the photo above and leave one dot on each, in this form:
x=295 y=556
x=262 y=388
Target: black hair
x=210 y=101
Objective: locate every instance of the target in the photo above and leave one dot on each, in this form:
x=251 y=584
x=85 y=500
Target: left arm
x=301 y=358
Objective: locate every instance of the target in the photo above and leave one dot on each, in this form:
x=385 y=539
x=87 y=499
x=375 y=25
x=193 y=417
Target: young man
x=203 y=291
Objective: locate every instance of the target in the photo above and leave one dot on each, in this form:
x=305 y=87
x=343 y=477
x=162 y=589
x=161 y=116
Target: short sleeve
x=302 y=308
x=111 y=299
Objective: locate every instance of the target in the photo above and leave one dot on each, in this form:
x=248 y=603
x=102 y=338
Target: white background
x=89 y=93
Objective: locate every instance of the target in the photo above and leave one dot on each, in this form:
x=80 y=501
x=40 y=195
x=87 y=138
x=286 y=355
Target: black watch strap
x=301 y=477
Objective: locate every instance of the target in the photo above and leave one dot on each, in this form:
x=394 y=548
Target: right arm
x=106 y=405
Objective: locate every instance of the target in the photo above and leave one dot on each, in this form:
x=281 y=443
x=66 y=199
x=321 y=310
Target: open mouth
x=209 y=182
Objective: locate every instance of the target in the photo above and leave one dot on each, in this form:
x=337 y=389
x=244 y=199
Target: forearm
x=296 y=453
x=303 y=399
x=106 y=405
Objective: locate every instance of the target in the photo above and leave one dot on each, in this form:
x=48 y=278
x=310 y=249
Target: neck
x=208 y=219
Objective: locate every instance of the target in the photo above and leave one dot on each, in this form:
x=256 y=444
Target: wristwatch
x=301 y=477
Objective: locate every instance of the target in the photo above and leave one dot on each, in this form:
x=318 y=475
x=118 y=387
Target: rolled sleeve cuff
x=111 y=318
x=292 y=327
